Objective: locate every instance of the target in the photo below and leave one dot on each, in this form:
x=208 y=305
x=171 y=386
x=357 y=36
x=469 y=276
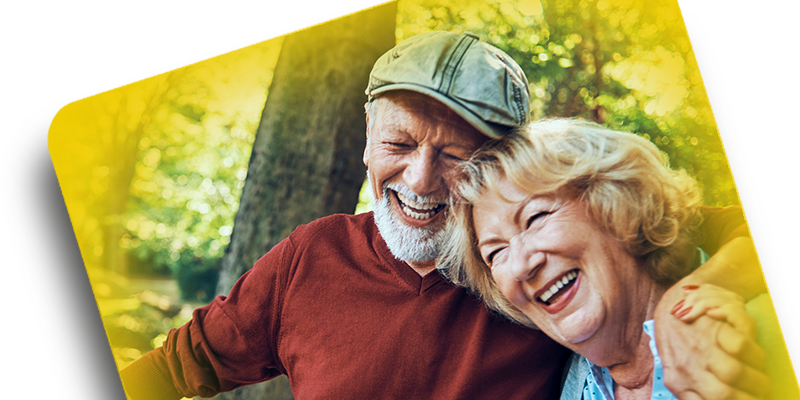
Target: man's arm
x=734 y=265
x=229 y=343
x=708 y=359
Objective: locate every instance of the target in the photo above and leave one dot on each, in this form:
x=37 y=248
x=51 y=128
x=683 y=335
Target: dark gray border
x=52 y=259
x=746 y=192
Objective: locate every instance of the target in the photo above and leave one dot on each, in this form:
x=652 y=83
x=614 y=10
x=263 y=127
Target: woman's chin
x=577 y=327
x=576 y=338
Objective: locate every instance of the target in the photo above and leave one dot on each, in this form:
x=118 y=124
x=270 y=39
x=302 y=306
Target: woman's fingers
x=698 y=300
x=713 y=389
x=708 y=358
x=737 y=316
x=740 y=346
x=690 y=313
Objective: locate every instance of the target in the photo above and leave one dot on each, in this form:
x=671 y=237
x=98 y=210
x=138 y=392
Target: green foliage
x=625 y=63
x=137 y=313
x=193 y=160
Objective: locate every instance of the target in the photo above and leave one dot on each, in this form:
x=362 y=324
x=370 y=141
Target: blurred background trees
x=627 y=64
x=153 y=172
x=191 y=167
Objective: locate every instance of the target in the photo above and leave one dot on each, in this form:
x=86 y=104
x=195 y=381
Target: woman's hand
x=717 y=303
x=708 y=358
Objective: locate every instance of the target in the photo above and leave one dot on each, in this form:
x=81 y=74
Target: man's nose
x=523 y=259
x=422 y=174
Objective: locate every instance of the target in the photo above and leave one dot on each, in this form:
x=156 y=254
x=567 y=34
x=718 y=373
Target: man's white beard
x=407 y=243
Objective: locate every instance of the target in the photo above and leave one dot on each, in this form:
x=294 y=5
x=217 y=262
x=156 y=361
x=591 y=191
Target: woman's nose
x=524 y=260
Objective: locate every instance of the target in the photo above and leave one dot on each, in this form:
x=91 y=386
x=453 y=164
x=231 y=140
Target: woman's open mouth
x=558 y=292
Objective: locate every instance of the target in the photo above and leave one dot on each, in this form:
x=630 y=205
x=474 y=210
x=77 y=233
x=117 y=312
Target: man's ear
x=366 y=153
x=366 y=147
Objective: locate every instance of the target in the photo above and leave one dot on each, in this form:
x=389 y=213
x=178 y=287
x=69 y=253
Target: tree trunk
x=306 y=160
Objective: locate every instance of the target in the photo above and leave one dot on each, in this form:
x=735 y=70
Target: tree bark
x=306 y=159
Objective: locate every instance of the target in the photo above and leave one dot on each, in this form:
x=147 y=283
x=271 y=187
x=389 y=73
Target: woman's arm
x=709 y=359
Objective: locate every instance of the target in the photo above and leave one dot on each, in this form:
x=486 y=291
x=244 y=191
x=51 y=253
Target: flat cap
x=478 y=81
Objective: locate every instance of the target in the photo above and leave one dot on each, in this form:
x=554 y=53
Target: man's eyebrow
x=394 y=129
x=460 y=146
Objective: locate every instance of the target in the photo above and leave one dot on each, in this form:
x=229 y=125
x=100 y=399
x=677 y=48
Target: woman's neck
x=634 y=379
x=633 y=374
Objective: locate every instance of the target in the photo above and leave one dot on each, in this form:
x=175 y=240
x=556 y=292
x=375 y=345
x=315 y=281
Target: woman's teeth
x=564 y=281
x=418 y=210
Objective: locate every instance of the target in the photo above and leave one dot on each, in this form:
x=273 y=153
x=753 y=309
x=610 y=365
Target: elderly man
x=348 y=306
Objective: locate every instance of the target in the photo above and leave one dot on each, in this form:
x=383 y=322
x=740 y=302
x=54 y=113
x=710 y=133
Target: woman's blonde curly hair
x=623 y=179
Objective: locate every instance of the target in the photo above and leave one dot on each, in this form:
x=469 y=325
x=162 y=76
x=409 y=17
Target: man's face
x=414 y=144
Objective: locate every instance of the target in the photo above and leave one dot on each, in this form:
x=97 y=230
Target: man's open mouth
x=418 y=210
x=558 y=287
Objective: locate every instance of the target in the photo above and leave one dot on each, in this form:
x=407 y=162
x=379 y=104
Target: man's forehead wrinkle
x=405 y=124
x=390 y=132
x=404 y=116
x=425 y=105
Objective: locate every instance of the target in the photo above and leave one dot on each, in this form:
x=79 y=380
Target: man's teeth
x=557 y=286
x=420 y=210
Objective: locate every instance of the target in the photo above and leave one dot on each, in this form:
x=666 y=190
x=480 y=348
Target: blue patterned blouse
x=599 y=385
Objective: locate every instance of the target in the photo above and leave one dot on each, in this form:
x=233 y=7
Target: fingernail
x=677 y=307
x=684 y=312
x=690 y=287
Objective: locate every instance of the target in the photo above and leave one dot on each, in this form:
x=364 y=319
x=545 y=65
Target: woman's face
x=554 y=263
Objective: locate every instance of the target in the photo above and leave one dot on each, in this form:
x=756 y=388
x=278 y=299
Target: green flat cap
x=478 y=81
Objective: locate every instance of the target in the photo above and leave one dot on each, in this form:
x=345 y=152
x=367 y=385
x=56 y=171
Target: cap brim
x=487 y=128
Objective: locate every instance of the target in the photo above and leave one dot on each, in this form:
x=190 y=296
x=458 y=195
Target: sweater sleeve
x=229 y=343
x=720 y=226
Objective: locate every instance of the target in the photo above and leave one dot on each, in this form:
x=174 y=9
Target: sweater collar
x=407 y=276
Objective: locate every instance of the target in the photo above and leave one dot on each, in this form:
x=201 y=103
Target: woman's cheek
x=511 y=289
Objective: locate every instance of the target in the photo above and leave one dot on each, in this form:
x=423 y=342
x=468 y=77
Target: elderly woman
x=579 y=230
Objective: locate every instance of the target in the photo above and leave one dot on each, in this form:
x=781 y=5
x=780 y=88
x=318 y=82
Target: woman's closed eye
x=493 y=256
x=536 y=217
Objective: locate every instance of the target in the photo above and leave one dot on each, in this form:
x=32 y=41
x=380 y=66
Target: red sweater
x=332 y=309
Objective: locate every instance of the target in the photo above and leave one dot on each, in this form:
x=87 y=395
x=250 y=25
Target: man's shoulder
x=334 y=237
x=337 y=227
x=362 y=219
